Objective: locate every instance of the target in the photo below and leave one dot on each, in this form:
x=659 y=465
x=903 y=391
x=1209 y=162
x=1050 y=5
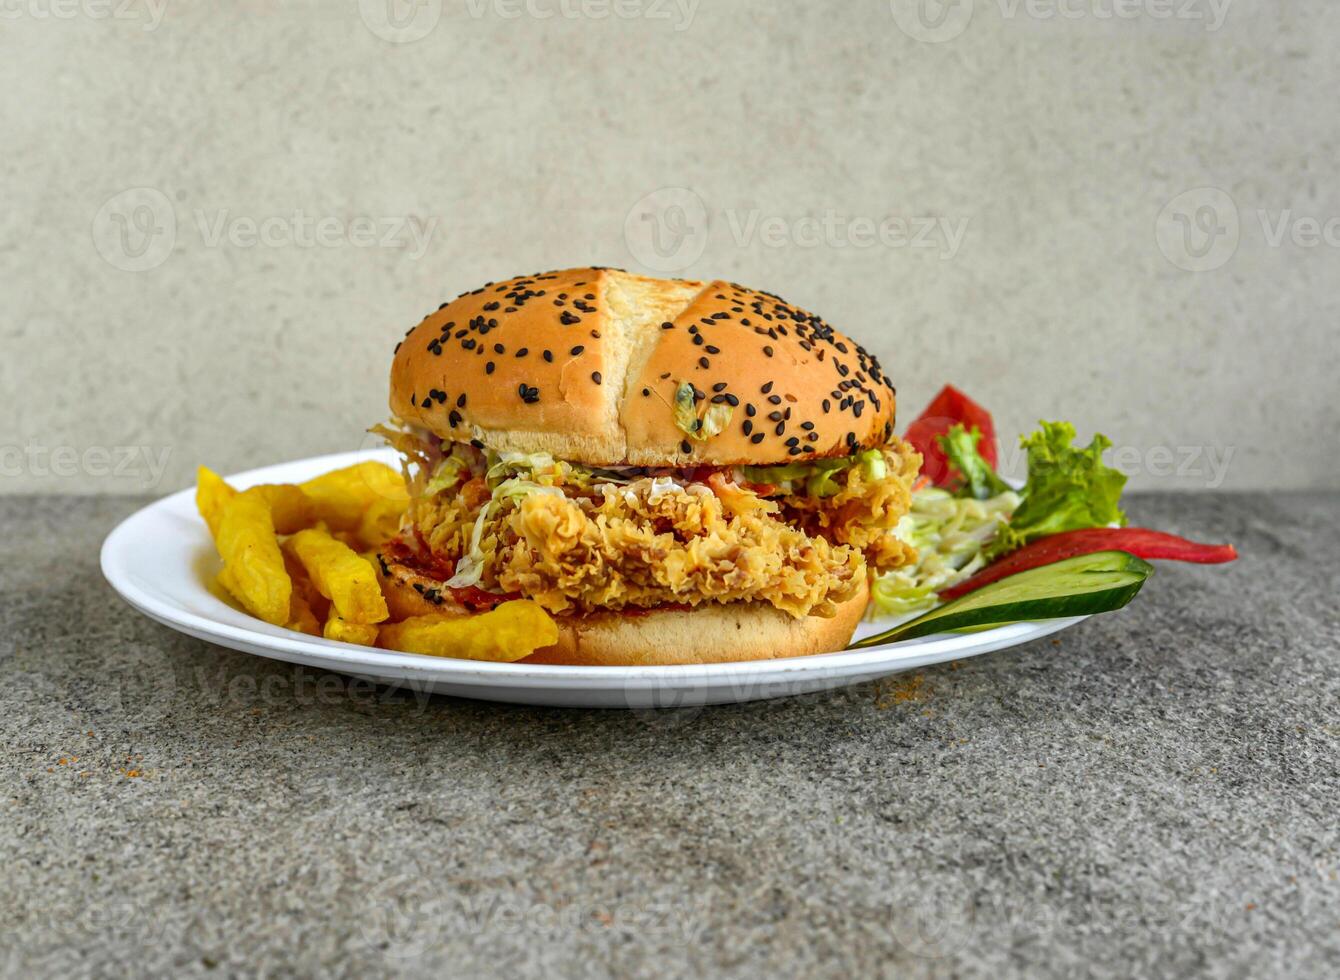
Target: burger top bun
x=605 y=368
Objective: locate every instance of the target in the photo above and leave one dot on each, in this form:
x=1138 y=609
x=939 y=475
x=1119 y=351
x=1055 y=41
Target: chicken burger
x=679 y=472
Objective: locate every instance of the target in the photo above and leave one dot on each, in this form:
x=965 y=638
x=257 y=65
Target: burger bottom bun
x=711 y=633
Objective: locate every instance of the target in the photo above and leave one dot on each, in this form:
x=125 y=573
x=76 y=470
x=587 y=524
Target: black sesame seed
x=460 y=402
x=712 y=350
x=667 y=325
x=748 y=427
x=749 y=410
x=704 y=363
x=698 y=339
x=488 y=368
x=767 y=388
x=793 y=441
x=719 y=386
x=523 y=352
x=767 y=350
x=756 y=438
x=781 y=427
x=477 y=443
x=646 y=392
x=549 y=356
x=774 y=399
x=775 y=416
x=426 y=403
x=718 y=399
x=595 y=376
x=731 y=400
x=454 y=418
x=827 y=406
x=685 y=448
x=807 y=426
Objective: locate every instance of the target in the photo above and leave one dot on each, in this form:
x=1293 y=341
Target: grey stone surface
x=1155 y=792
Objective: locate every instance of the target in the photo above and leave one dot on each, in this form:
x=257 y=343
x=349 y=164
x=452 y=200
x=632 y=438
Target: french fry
x=341 y=497
x=211 y=494
x=302 y=586
x=224 y=587
x=340 y=574
x=380 y=521
x=337 y=628
x=514 y=630
x=290 y=508
x=254 y=565
x=316 y=576
x=301 y=618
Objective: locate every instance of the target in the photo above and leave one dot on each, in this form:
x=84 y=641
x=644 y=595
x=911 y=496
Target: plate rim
x=355 y=658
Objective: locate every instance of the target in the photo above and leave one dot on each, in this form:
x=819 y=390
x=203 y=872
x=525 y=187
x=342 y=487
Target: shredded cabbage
x=950 y=534
x=470 y=568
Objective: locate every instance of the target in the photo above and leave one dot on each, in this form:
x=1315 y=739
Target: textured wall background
x=219 y=217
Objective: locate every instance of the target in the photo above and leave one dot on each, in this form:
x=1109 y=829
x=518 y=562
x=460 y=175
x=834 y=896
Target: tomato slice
x=949 y=408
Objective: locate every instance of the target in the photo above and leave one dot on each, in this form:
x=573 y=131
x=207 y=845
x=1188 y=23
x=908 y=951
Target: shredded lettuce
x=1067 y=488
x=950 y=534
x=470 y=568
x=957 y=533
x=449 y=473
x=976 y=477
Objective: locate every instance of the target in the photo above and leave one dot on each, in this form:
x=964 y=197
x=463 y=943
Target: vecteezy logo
x=1198 y=230
x=666 y=230
x=400 y=21
x=933 y=916
x=136 y=230
x=664 y=704
x=934 y=21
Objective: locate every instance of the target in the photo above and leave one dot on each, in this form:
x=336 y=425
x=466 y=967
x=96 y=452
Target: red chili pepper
x=1138 y=541
x=949 y=408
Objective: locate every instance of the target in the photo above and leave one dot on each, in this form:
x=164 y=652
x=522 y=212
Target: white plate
x=160 y=558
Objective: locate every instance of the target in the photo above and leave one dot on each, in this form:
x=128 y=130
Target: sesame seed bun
x=585 y=364
x=708 y=633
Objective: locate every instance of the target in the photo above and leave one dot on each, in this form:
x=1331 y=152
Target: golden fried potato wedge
x=289 y=506
x=211 y=494
x=381 y=521
x=514 y=630
x=341 y=497
x=337 y=628
x=254 y=565
x=340 y=574
x=301 y=618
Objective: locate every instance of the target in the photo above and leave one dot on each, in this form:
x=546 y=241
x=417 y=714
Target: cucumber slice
x=1079 y=586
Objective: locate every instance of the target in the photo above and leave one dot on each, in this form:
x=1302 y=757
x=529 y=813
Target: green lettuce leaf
x=713 y=421
x=1067 y=488
x=977 y=479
